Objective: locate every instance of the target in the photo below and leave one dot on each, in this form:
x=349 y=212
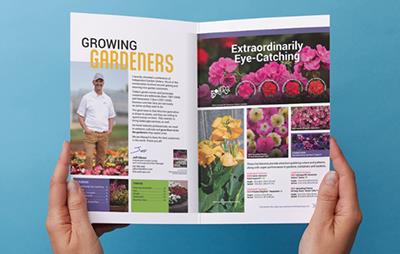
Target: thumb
x=77 y=205
x=327 y=199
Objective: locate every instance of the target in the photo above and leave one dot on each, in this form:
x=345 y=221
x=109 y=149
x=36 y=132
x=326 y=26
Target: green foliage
x=221 y=188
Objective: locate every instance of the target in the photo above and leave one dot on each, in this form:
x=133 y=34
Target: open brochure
x=199 y=123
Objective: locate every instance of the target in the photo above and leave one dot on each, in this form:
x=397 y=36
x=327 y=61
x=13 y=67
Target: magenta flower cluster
x=115 y=186
x=311 y=118
x=312 y=59
x=119 y=192
x=310 y=141
x=221 y=72
x=276 y=72
x=267 y=132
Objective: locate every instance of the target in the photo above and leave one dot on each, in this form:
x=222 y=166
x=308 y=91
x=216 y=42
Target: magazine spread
x=199 y=123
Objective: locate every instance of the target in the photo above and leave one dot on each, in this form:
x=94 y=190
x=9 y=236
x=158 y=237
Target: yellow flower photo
x=221 y=161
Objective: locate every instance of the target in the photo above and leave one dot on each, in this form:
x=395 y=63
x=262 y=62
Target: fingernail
x=72 y=186
x=331 y=178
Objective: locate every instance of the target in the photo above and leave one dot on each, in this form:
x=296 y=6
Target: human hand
x=67 y=221
x=335 y=221
x=87 y=131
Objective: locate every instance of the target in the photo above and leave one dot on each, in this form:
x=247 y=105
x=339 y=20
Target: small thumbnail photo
x=180 y=154
x=178 y=197
x=310 y=145
x=311 y=118
x=267 y=132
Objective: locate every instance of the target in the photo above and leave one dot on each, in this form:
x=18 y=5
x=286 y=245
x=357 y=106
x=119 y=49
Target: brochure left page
x=133 y=118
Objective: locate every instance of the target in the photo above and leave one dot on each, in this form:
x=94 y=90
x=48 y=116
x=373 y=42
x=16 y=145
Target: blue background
x=34 y=97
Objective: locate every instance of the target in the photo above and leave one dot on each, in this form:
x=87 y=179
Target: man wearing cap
x=96 y=114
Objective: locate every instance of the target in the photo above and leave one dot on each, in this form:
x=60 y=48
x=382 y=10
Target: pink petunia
x=307 y=54
x=228 y=80
x=265 y=144
x=312 y=65
x=324 y=55
x=310 y=58
x=274 y=71
x=270 y=71
x=268 y=112
x=245 y=90
x=221 y=72
x=251 y=76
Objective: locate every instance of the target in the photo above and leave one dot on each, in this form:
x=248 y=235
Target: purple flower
x=307 y=142
x=204 y=95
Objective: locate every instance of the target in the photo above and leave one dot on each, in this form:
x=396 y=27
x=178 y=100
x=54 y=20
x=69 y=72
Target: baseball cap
x=98 y=76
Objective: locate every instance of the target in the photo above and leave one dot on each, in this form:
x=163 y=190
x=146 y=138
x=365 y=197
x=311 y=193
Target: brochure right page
x=263 y=118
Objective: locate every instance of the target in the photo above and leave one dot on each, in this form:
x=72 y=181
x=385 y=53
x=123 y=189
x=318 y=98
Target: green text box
x=149 y=196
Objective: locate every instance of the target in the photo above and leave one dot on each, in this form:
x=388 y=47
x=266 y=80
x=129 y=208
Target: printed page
x=263 y=118
x=133 y=118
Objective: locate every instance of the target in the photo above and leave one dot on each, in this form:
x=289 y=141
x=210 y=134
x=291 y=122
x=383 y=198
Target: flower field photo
x=116 y=164
x=221 y=161
x=225 y=81
x=267 y=132
x=311 y=118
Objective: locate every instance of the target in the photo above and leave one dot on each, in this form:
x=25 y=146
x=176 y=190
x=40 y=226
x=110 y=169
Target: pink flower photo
x=267 y=132
x=311 y=118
